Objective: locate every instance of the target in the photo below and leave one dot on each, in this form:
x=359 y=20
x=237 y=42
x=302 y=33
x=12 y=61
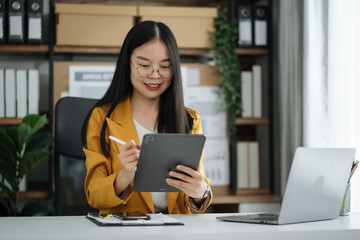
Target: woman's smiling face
x=150 y=56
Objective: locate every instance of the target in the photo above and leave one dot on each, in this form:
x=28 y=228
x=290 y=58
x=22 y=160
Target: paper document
x=89 y=81
x=112 y=220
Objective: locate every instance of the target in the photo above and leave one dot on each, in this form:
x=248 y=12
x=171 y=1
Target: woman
x=145 y=96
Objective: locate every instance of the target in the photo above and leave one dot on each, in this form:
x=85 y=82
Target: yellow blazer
x=102 y=171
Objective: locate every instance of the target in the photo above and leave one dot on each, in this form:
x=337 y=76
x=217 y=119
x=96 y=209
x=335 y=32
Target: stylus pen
x=117 y=140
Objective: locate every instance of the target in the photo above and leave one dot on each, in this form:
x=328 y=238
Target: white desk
x=201 y=226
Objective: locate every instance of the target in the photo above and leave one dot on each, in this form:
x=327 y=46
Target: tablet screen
x=161 y=153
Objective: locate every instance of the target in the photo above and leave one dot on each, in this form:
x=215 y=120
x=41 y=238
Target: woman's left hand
x=193 y=185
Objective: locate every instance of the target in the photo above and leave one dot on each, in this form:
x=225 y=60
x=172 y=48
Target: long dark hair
x=173 y=117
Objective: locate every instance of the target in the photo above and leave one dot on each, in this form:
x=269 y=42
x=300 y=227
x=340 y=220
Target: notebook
x=315 y=188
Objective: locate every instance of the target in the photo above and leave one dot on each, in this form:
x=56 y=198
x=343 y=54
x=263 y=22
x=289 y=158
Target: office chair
x=69 y=164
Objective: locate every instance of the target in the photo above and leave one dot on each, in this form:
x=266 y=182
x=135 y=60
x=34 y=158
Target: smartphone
x=130 y=216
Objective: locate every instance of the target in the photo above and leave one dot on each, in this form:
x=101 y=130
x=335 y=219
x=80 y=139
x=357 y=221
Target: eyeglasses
x=148 y=70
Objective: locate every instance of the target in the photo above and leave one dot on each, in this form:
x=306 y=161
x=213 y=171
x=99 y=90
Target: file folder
x=260 y=26
x=16 y=18
x=2 y=21
x=34 y=21
x=245 y=26
x=10 y=93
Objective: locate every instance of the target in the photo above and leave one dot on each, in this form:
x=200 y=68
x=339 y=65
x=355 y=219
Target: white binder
x=10 y=93
x=245 y=26
x=33 y=91
x=248 y=164
x=256 y=70
x=21 y=93
x=2 y=94
x=246 y=94
x=260 y=25
x=243 y=171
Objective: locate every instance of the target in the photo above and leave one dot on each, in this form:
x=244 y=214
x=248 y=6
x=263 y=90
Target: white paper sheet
x=89 y=81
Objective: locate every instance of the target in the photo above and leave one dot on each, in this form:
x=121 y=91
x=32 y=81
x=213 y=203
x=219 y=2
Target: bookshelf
x=31 y=194
x=222 y=195
x=23 y=49
x=10 y=121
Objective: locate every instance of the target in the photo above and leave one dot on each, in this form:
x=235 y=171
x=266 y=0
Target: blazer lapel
x=121 y=125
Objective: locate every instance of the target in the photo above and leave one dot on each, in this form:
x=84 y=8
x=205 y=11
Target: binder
x=2 y=93
x=245 y=26
x=21 y=93
x=256 y=71
x=16 y=19
x=246 y=94
x=254 y=156
x=33 y=91
x=2 y=21
x=34 y=9
x=242 y=165
x=10 y=93
x=260 y=25
x=248 y=167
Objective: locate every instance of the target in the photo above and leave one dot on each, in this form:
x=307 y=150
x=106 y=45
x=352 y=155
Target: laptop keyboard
x=267 y=216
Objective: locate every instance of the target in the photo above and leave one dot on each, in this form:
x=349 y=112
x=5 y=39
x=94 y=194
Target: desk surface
x=205 y=226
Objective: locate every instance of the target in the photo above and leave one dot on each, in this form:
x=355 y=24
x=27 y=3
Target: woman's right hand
x=128 y=156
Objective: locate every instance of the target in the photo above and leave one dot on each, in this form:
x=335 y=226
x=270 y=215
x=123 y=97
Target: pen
x=117 y=140
x=354 y=166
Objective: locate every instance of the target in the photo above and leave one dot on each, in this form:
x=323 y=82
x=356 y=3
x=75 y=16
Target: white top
x=159 y=198
x=203 y=226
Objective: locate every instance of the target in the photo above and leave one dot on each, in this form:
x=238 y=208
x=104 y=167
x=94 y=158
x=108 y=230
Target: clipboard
x=158 y=219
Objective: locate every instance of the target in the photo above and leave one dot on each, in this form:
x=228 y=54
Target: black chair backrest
x=70 y=113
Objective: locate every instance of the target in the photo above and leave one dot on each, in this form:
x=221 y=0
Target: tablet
x=161 y=153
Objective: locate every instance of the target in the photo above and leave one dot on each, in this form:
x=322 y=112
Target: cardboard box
x=61 y=76
x=93 y=25
x=208 y=74
x=190 y=25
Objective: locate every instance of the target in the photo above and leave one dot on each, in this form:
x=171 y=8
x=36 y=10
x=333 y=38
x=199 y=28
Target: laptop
x=315 y=188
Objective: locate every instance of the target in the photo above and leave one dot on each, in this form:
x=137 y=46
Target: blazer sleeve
x=99 y=181
x=197 y=130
